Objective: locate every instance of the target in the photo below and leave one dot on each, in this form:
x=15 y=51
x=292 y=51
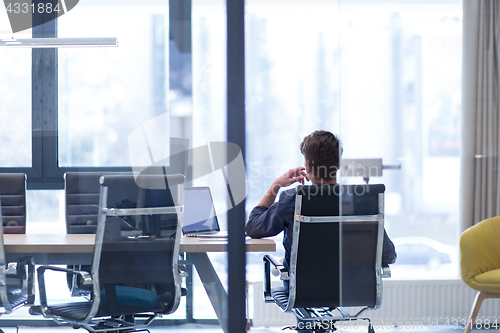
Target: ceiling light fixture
x=59 y=42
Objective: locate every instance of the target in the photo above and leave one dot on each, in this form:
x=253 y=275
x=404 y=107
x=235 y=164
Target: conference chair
x=480 y=263
x=13 y=195
x=81 y=190
x=135 y=273
x=336 y=256
x=17 y=286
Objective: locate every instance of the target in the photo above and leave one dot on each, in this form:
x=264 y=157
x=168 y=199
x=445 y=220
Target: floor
x=192 y=328
x=164 y=326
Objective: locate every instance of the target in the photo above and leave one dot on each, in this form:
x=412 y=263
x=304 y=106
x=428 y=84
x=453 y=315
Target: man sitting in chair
x=321 y=150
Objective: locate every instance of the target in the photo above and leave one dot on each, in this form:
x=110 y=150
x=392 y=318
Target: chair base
x=123 y=324
x=324 y=320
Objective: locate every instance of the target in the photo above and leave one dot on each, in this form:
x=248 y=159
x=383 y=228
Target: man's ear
x=307 y=167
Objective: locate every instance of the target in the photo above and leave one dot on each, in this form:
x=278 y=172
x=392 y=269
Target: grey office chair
x=336 y=256
x=135 y=273
x=17 y=286
x=13 y=195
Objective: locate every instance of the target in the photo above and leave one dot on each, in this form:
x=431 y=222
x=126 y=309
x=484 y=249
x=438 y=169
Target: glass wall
x=209 y=120
x=292 y=88
x=383 y=76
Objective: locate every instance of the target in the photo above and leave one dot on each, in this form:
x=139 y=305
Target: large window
x=386 y=78
x=15 y=104
x=105 y=93
x=400 y=101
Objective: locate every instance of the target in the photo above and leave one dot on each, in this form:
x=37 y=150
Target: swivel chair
x=480 y=263
x=17 y=287
x=336 y=255
x=81 y=191
x=135 y=274
x=13 y=194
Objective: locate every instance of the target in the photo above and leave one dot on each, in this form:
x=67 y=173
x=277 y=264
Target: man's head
x=322 y=150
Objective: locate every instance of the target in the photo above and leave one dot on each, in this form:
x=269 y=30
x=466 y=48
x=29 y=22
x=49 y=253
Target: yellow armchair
x=480 y=262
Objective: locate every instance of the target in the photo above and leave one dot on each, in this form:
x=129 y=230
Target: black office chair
x=13 y=195
x=135 y=274
x=336 y=256
x=17 y=287
x=81 y=191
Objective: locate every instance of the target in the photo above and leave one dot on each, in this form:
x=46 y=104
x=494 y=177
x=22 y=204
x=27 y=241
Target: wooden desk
x=78 y=249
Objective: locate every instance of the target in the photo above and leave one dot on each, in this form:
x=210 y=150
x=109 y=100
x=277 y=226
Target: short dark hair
x=322 y=150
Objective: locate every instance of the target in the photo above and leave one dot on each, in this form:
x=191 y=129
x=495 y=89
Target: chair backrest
x=337 y=246
x=82 y=201
x=143 y=260
x=13 y=196
x=479 y=251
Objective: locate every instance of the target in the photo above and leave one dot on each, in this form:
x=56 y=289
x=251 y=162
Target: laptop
x=200 y=218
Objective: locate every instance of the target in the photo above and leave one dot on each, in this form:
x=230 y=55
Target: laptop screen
x=199 y=212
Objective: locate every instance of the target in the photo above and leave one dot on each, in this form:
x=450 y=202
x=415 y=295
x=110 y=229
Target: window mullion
x=44 y=173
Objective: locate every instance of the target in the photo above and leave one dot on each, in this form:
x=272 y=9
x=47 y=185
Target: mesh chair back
x=336 y=249
x=136 y=270
x=13 y=196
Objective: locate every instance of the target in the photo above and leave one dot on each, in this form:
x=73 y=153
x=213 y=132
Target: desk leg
x=214 y=288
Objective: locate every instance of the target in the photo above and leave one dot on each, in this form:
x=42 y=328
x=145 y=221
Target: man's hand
x=288 y=178
x=291 y=176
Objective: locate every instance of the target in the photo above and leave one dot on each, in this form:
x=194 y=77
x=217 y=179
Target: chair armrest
x=386 y=272
x=268 y=260
x=283 y=272
x=86 y=277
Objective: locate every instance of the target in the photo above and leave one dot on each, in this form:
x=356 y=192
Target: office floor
x=214 y=329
